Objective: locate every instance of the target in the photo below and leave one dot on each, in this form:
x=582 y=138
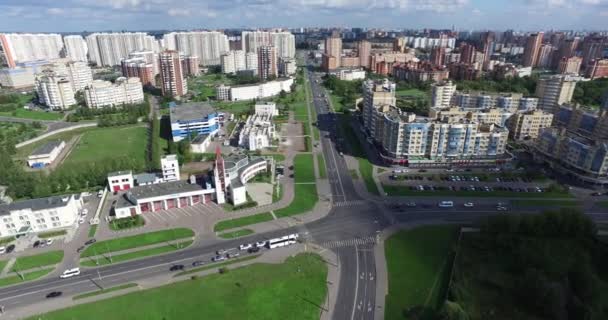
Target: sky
x=116 y=15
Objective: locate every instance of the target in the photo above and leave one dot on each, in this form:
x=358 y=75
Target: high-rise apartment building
x=251 y=62
x=593 y=48
x=566 y=49
x=555 y=90
x=234 y=61
x=54 y=90
x=570 y=65
x=364 y=49
x=545 y=56
x=438 y=56
x=138 y=68
x=105 y=93
x=532 y=49
x=267 y=62
x=284 y=42
x=78 y=73
x=173 y=81
x=442 y=93
x=206 y=45
x=108 y=49
x=148 y=56
x=597 y=68
x=467 y=53
x=75 y=48
x=287 y=66
x=25 y=47
x=333 y=49
x=527 y=125
x=190 y=66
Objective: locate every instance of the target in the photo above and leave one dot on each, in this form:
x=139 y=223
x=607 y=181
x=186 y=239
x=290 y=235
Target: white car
x=81 y=221
x=246 y=246
x=99 y=193
x=500 y=208
x=49 y=242
x=2 y=249
x=70 y=273
x=260 y=244
x=85 y=211
x=469 y=204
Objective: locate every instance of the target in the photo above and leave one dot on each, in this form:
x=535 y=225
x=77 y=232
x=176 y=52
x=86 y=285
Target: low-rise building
x=255 y=91
x=120 y=180
x=189 y=120
x=350 y=74
x=46 y=154
x=231 y=175
x=269 y=108
x=39 y=215
x=527 y=125
x=421 y=71
x=170 y=168
x=102 y=93
x=258 y=132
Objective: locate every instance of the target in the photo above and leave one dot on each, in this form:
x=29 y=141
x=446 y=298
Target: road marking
x=356 y=284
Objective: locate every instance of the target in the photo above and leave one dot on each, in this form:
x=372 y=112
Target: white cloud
x=174 y=12
x=55 y=11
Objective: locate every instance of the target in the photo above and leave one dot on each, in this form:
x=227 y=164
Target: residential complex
x=206 y=45
x=233 y=61
x=75 y=48
x=284 y=42
x=54 y=90
x=259 y=131
x=267 y=62
x=555 y=90
x=527 y=125
x=102 y=93
x=108 y=49
x=172 y=77
x=254 y=91
x=26 y=47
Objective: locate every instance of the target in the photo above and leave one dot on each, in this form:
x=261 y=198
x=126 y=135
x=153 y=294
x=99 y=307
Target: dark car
x=198 y=263
x=10 y=248
x=176 y=267
x=80 y=249
x=90 y=242
x=54 y=294
x=253 y=249
x=37 y=244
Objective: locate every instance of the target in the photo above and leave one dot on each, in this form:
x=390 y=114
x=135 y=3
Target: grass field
x=243 y=293
x=305 y=199
x=3 y=264
x=367 y=173
x=405 y=191
x=322 y=169
x=34 y=115
x=417 y=262
x=19 y=132
x=304 y=168
x=237 y=107
x=98 y=292
x=26 y=277
x=243 y=221
x=411 y=93
x=92 y=230
x=236 y=234
x=110 y=143
x=135 y=241
x=38 y=260
x=24 y=151
x=214 y=265
x=135 y=255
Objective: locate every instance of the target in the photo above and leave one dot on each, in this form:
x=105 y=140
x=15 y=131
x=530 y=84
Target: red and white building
x=120 y=181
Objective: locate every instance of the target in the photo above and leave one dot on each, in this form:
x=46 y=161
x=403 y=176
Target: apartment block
x=105 y=93
x=528 y=125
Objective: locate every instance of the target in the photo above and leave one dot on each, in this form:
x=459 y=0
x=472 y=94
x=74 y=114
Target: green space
x=238 y=108
x=214 y=265
x=52 y=234
x=547 y=203
x=322 y=169
x=547 y=266
x=140 y=240
x=3 y=264
x=127 y=223
x=102 y=291
x=15 y=132
x=11 y=105
x=111 y=258
x=367 y=173
x=242 y=293
x=31 y=114
x=38 y=260
x=104 y=144
x=92 y=230
x=524 y=85
x=403 y=191
x=29 y=276
x=236 y=234
x=343 y=93
x=412 y=92
x=24 y=151
x=304 y=200
x=418 y=263
x=241 y=222
x=304 y=168
x=590 y=93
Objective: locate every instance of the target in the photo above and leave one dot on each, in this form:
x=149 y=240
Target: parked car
x=260 y=244
x=176 y=267
x=90 y=242
x=49 y=242
x=232 y=255
x=54 y=294
x=10 y=248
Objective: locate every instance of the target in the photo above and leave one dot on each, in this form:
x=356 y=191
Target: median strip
x=140 y=240
x=215 y=265
x=102 y=291
x=110 y=259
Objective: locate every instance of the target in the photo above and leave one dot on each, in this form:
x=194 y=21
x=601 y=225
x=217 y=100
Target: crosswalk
x=347 y=203
x=349 y=242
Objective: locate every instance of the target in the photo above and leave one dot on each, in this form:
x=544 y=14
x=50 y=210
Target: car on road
x=49 y=242
x=198 y=263
x=221 y=252
x=90 y=242
x=232 y=255
x=245 y=246
x=177 y=267
x=446 y=204
x=596 y=194
x=253 y=250
x=70 y=273
x=54 y=294
x=411 y=204
x=501 y=208
x=10 y=248
x=84 y=212
x=469 y=204
x=218 y=258
x=81 y=221
x=260 y=244
x=80 y=249
x=2 y=249
x=37 y=244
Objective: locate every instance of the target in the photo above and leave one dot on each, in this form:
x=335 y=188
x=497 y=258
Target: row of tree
x=128 y=111
x=349 y=91
x=524 y=85
x=591 y=93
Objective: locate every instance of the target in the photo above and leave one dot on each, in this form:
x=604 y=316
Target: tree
x=452 y=311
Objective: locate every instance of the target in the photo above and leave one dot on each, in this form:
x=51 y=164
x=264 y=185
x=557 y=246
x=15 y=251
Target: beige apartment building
x=527 y=125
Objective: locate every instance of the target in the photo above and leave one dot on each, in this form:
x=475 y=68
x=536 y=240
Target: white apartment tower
x=206 y=45
x=25 y=47
x=251 y=62
x=108 y=49
x=442 y=94
x=54 y=90
x=284 y=42
x=75 y=48
x=170 y=167
x=233 y=61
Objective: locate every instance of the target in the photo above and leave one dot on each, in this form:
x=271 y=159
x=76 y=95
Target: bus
x=446 y=204
x=283 y=241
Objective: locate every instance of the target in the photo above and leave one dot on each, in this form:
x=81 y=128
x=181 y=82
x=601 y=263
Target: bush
x=127 y=223
x=223 y=270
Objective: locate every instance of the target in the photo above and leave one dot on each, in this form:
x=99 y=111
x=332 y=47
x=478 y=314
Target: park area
x=418 y=263
x=294 y=289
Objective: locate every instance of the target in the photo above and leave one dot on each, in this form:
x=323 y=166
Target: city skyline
x=81 y=15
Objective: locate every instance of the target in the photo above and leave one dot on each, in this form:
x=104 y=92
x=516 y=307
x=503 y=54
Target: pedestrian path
x=349 y=242
x=350 y=203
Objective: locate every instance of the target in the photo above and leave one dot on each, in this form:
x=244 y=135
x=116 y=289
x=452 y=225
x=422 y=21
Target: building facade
x=234 y=61
x=75 y=48
x=206 y=45
x=528 y=125
x=108 y=49
x=102 y=93
x=255 y=91
x=442 y=93
x=27 y=47
x=45 y=154
x=555 y=90
x=267 y=62
x=54 y=90
x=189 y=120
x=172 y=78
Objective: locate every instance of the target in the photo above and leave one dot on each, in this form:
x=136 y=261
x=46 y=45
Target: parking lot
x=165 y=216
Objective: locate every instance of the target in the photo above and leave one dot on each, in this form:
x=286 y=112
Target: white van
x=70 y=273
x=446 y=204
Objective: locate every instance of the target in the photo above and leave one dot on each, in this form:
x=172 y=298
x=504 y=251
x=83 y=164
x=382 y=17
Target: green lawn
x=25 y=151
x=243 y=221
x=19 y=132
x=107 y=259
x=26 y=277
x=305 y=199
x=405 y=191
x=259 y=291
x=92 y=230
x=417 y=262
x=38 y=260
x=417 y=93
x=98 y=292
x=367 y=173
x=304 y=169
x=237 y=107
x=52 y=234
x=34 y=115
x=322 y=169
x=127 y=223
x=135 y=241
x=3 y=264
x=236 y=234
x=110 y=143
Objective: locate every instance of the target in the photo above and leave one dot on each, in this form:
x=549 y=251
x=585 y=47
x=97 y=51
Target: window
x=56 y=224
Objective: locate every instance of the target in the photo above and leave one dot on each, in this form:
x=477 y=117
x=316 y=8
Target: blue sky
x=79 y=15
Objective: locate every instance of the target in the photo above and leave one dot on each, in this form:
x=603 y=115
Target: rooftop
x=163 y=189
x=47 y=148
x=191 y=111
x=119 y=173
x=36 y=204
